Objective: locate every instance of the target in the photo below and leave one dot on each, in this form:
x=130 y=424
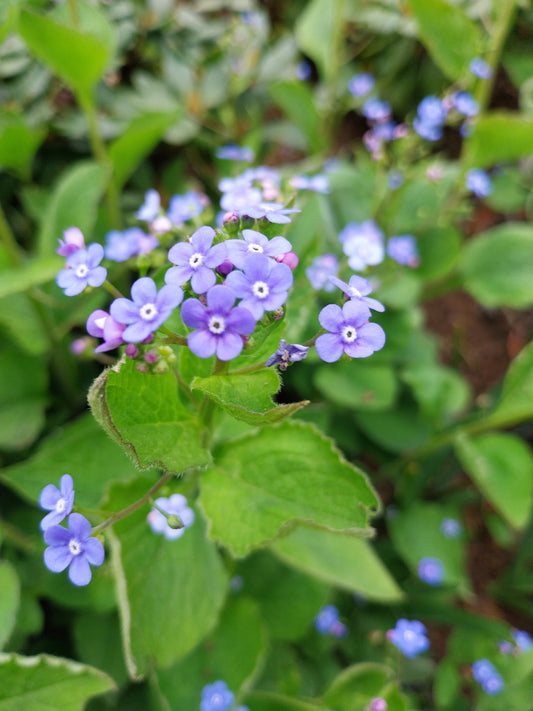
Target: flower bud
x=132 y=351
x=289 y=258
x=174 y=522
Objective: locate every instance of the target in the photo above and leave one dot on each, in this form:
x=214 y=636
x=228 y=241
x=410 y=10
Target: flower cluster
x=487 y=676
x=71 y=547
x=409 y=636
x=327 y=622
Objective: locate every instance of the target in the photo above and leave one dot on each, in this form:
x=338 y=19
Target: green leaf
x=46 y=682
x=170 y=605
x=23 y=395
x=497 y=137
x=89 y=629
x=450 y=37
x=20 y=320
x=497 y=267
x=34 y=273
x=9 y=600
x=233 y=652
x=439 y=249
x=416 y=534
x=358 y=386
x=144 y=414
x=266 y=482
x=516 y=400
x=73 y=203
x=81 y=449
x=136 y=142
x=318 y=32
x=296 y=100
x=440 y=391
x=267 y=701
x=501 y=465
x=397 y=430
x=78 y=58
x=248 y=397
x=344 y=561
x=18 y=143
x=355 y=686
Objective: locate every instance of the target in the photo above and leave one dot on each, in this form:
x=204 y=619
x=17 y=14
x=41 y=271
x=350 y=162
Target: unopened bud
x=225 y=268
x=132 y=351
x=142 y=367
x=289 y=258
x=174 y=522
x=151 y=357
x=161 y=367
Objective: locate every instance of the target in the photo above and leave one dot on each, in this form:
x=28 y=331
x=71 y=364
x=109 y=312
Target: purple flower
x=196 y=260
x=219 y=326
x=216 y=697
x=254 y=242
x=358 y=288
x=363 y=244
x=522 y=639
x=430 y=571
x=287 y=353
x=350 y=332
x=465 y=103
x=321 y=269
x=73 y=240
x=403 y=250
x=428 y=131
x=360 y=84
x=486 y=674
x=73 y=548
x=232 y=151
x=147 y=310
x=450 y=528
x=184 y=207
x=375 y=109
x=150 y=208
x=262 y=285
x=100 y=324
x=316 y=183
x=377 y=704
x=327 y=622
x=409 y=636
x=478 y=182
x=120 y=246
x=82 y=270
x=58 y=501
x=480 y=68
x=174 y=505
x=272 y=211
x=431 y=111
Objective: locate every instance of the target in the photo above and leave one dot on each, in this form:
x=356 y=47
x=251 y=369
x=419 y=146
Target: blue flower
x=409 y=636
x=147 y=310
x=232 y=151
x=272 y=211
x=73 y=548
x=151 y=206
x=73 y=240
x=82 y=269
x=358 y=288
x=287 y=353
x=363 y=244
x=428 y=131
x=58 y=501
x=254 y=242
x=121 y=246
x=432 y=111
x=216 y=697
x=486 y=674
x=100 y=324
x=262 y=285
x=182 y=208
x=350 y=332
x=465 y=103
x=316 y=183
x=430 y=571
x=522 y=639
x=480 y=68
x=375 y=109
x=327 y=622
x=450 y=528
x=361 y=84
x=403 y=250
x=196 y=260
x=174 y=505
x=321 y=269
x=478 y=182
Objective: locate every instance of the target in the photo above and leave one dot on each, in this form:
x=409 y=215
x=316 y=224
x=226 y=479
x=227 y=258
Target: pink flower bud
x=289 y=258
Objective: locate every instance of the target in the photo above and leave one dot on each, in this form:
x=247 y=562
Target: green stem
x=112 y=289
x=207 y=408
x=74 y=13
x=8 y=240
x=136 y=505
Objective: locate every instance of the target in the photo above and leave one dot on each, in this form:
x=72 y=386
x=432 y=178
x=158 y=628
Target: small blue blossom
x=196 y=260
x=174 y=505
x=73 y=548
x=431 y=116
x=327 y=622
x=72 y=241
x=403 y=250
x=216 y=697
x=363 y=244
x=466 y=128
x=272 y=211
x=262 y=285
x=486 y=674
x=428 y=131
x=350 y=332
x=409 y=636
x=287 y=353
x=100 y=324
x=232 y=151
x=121 y=246
x=375 y=109
x=254 y=242
x=147 y=310
x=182 y=208
x=320 y=270
x=58 y=502
x=431 y=571
x=316 y=183
x=358 y=288
x=465 y=104
x=478 y=182
x=395 y=179
x=151 y=206
x=480 y=68
x=361 y=84
x=450 y=528
x=82 y=269
x=523 y=640
x=219 y=326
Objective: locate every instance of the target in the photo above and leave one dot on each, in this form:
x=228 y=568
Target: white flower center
x=260 y=289
x=148 y=312
x=61 y=505
x=81 y=271
x=254 y=247
x=409 y=635
x=354 y=293
x=196 y=260
x=349 y=334
x=216 y=325
x=74 y=547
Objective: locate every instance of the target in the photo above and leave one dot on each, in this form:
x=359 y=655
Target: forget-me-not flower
x=72 y=241
x=409 y=636
x=254 y=242
x=478 y=182
x=73 y=548
x=151 y=206
x=100 y=324
x=196 y=260
x=363 y=244
x=262 y=285
x=350 y=332
x=430 y=571
x=361 y=84
x=358 y=288
x=480 y=68
x=321 y=269
x=182 y=208
x=83 y=269
x=174 y=505
x=327 y=622
x=58 y=502
x=216 y=697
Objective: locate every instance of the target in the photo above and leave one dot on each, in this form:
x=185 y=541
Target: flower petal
x=49 y=497
x=241 y=320
x=203 y=238
x=373 y=335
x=79 y=572
x=79 y=526
x=57 y=558
x=144 y=291
x=331 y=318
x=355 y=312
x=329 y=347
x=97 y=276
x=194 y=314
x=229 y=346
x=124 y=311
x=94 y=551
x=57 y=536
x=137 y=332
x=202 y=280
x=202 y=343
x=220 y=299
